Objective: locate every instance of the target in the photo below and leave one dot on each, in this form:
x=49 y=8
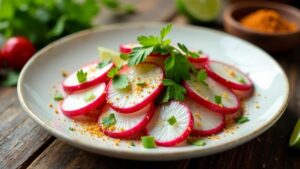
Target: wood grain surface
x=24 y=144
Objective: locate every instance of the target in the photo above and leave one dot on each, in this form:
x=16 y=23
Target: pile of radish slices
x=130 y=112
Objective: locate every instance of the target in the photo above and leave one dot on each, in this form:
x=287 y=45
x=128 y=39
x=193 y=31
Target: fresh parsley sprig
x=119 y=81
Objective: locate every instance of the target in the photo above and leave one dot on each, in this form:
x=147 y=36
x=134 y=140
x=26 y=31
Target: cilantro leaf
x=187 y=51
x=139 y=54
x=103 y=64
x=120 y=81
x=172 y=91
x=81 y=76
x=177 y=67
x=109 y=120
x=147 y=41
x=165 y=31
x=113 y=72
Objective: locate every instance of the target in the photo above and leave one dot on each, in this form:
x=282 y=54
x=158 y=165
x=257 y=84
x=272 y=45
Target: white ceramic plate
x=71 y=52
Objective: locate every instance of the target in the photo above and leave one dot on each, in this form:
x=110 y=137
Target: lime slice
x=200 y=10
x=295 y=138
x=110 y=55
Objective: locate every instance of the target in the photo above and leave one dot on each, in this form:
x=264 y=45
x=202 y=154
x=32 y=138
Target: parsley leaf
x=187 y=51
x=172 y=91
x=81 y=76
x=177 y=67
x=139 y=54
x=113 y=72
x=202 y=75
x=147 y=41
x=109 y=120
x=120 y=81
x=165 y=31
x=103 y=64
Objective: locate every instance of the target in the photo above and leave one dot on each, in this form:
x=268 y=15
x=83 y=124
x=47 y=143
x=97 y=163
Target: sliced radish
x=243 y=94
x=206 y=95
x=126 y=125
x=145 y=85
x=82 y=102
x=228 y=75
x=127 y=48
x=202 y=59
x=233 y=115
x=206 y=122
x=94 y=76
x=166 y=133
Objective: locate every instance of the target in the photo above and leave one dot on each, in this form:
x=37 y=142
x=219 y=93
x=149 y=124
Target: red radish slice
x=206 y=122
x=233 y=115
x=94 y=76
x=228 y=75
x=145 y=85
x=127 y=125
x=166 y=134
x=202 y=59
x=127 y=48
x=77 y=103
x=205 y=95
x=243 y=94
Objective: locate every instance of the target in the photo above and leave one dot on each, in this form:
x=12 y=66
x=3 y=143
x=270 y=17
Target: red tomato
x=16 y=51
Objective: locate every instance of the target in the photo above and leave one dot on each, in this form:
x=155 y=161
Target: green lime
x=110 y=55
x=200 y=10
x=295 y=138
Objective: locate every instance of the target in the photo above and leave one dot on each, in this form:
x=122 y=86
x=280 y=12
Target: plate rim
x=170 y=155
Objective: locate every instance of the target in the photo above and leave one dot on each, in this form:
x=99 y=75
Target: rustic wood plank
x=8 y=96
x=60 y=155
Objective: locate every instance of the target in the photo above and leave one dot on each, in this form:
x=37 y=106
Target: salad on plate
x=156 y=92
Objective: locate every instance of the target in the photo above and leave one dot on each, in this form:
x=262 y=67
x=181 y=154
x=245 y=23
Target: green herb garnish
x=202 y=76
x=81 y=76
x=241 y=80
x=141 y=84
x=120 y=81
x=172 y=120
x=218 y=99
x=172 y=91
x=58 y=96
x=199 y=142
x=148 y=141
x=109 y=120
x=124 y=56
x=103 y=64
x=241 y=119
x=187 y=52
x=89 y=96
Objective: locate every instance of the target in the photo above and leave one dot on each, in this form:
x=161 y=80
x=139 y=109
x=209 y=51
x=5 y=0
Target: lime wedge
x=110 y=55
x=295 y=138
x=200 y=10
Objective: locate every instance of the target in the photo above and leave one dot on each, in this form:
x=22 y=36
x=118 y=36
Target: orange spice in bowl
x=268 y=21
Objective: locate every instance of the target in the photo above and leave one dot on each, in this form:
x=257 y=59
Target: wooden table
x=24 y=144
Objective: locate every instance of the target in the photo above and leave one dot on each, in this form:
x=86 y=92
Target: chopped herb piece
x=89 y=96
x=218 y=99
x=148 y=141
x=241 y=119
x=198 y=142
x=103 y=64
x=241 y=80
x=194 y=55
x=202 y=76
x=81 y=76
x=132 y=144
x=113 y=72
x=109 y=120
x=172 y=120
x=177 y=67
x=58 y=96
x=71 y=128
x=120 y=81
x=124 y=56
x=141 y=84
x=200 y=53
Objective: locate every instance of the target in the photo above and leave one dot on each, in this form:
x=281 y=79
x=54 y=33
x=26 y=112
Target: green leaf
x=59 y=27
x=165 y=31
x=177 y=67
x=194 y=55
x=241 y=119
x=124 y=56
x=198 y=142
x=138 y=55
x=172 y=120
x=172 y=91
x=202 y=76
x=183 y=48
x=81 y=76
x=241 y=80
x=120 y=81
x=11 y=78
x=113 y=72
x=148 y=141
x=89 y=96
x=218 y=99
x=109 y=120
x=103 y=64
x=147 y=41
x=58 y=96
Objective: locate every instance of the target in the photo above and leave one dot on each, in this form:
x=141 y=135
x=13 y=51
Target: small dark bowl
x=271 y=42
